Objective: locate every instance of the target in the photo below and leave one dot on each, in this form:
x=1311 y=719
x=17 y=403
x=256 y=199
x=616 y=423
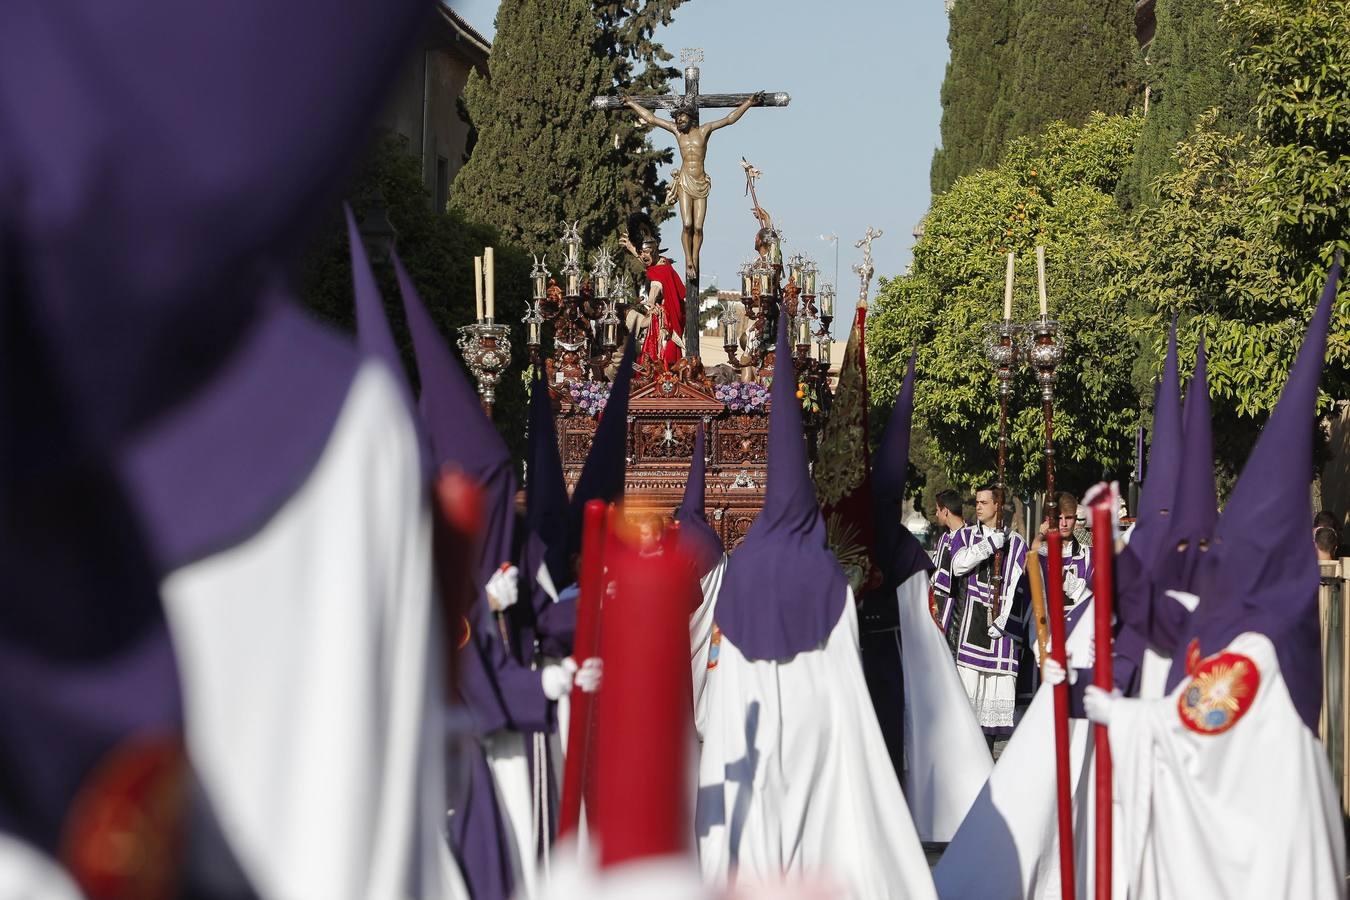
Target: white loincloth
x=795 y=780
x=311 y=673
x=946 y=758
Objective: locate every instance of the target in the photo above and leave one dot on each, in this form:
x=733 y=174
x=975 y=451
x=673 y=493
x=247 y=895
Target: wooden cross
x=691 y=100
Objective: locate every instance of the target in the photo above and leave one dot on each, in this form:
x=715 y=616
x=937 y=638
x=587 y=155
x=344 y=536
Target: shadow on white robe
x=795 y=779
x=1008 y=845
x=946 y=758
x=1249 y=812
x=311 y=671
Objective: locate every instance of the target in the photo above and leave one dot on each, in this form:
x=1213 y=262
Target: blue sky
x=852 y=149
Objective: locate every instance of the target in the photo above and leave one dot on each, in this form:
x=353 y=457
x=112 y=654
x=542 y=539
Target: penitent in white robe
x=946 y=758
x=311 y=669
x=795 y=779
x=1008 y=846
x=1247 y=812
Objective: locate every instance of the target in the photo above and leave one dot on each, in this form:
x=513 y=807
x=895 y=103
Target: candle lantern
x=609 y=328
x=803 y=330
x=809 y=284
x=573 y=281
x=539 y=278
x=827 y=301
x=747 y=286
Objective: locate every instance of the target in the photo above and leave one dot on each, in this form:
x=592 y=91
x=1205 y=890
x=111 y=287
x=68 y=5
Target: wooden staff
x=579 y=762
x=1103 y=594
x=1054 y=548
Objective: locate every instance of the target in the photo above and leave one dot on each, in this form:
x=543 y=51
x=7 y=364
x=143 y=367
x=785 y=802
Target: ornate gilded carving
x=665 y=440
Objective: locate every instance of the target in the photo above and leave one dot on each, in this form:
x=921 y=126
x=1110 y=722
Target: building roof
x=451 y=28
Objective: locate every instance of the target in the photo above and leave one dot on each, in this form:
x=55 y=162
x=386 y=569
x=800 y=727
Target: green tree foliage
x=1069 y=58
x=543 y=156
x=437 y=249
x=1056 y=190
x=1297 y=53
x=1208 y=251
x=1189 y=71
x=977 y=36
x=1018 y=65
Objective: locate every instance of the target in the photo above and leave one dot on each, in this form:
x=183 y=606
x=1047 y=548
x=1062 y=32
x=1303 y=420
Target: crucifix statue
x=866 y=269
x=690 y=184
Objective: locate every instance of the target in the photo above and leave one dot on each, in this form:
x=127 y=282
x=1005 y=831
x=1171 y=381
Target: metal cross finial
x=866 y=244
x=866 y=269
x=690 y=55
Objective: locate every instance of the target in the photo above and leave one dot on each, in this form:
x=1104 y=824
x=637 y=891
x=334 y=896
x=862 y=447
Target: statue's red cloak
x=672 y=313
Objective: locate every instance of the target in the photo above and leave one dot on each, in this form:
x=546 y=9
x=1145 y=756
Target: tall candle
x=490 y=278
x=1007 y=290
x=478 y=286
x=1040 y=279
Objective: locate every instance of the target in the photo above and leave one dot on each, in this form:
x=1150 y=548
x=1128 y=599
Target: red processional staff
x=580 y=763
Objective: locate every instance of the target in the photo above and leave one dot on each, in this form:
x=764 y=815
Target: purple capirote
x=783 y=590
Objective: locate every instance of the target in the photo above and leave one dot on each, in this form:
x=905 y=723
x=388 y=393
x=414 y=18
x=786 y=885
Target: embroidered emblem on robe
x=1220 y=692
x=714 y=647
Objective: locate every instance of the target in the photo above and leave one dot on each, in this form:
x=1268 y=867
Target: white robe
x=946 y=758
x=1008 y=845
x=701 y=641
x=1249 y=812
x=795 y=779
x=311 y=672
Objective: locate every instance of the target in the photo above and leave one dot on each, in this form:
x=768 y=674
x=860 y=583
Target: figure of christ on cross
x=690 y=182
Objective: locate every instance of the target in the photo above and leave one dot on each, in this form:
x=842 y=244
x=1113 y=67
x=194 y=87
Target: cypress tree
x=1188 y=71
x=543 y=156
x=1068 y=58
x=977 y=35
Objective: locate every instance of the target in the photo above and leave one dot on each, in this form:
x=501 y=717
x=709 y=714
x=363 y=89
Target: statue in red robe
x=665 y=298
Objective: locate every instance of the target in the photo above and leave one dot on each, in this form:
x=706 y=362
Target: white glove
x=1098 y=704
x=1000 y=626
x=1052 y=672
x=1088 y=658
x=998 y=539
x=557 y=679
x=501 y=589
x=1075 y=588
x=590 y=675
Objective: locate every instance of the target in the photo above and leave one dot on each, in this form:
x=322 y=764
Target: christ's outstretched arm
x=647 y=116
x=734 y=116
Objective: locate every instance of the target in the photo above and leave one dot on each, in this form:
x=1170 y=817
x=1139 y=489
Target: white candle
x=1007 y=290
x=1040 y=279
x=490 y=277
x=478 y=285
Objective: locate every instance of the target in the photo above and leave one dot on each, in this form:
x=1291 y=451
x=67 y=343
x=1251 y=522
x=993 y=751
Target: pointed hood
x=460 y=433
x=1261 y=573
x=898 y=551
x=1134 y=564
x=603 y=474
x=372 y=325
x=1195 y=510
x=545 y=488
x=697 y=538
x=783 y=590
